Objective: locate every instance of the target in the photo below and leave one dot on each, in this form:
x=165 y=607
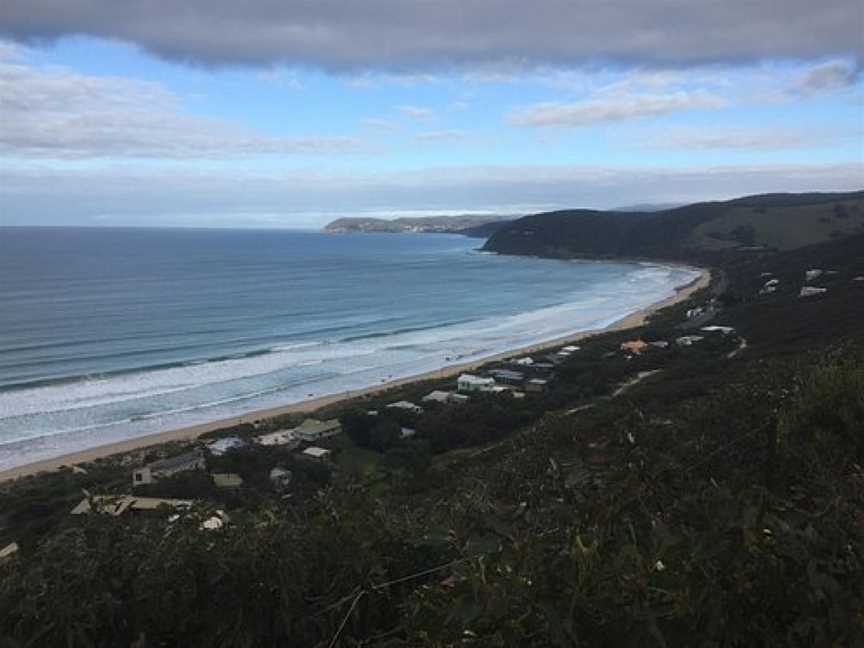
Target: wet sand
x=192 y=432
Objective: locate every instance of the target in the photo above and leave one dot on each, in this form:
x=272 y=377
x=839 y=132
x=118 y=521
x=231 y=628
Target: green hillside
x=698 y=231
x=780 y=227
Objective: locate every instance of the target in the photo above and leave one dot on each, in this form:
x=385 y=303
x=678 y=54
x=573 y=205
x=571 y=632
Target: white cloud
x=441 y=136
x=415 y=112
x=51 y=112
x=613 y=106
x=743 y=139
x=381 y=124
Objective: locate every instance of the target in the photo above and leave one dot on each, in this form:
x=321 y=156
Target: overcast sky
x=290 y=113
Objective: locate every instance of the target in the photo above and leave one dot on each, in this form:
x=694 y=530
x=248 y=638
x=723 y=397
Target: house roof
x=220 y=446
x=314 y=426
x=227 y=480
x=9 y=550
x=477 y=380
x=507 y=374
x=280 y=437
x=116 y=505
x=438 y=395
x=408 y=405
x=175 y=462
x=316 y=452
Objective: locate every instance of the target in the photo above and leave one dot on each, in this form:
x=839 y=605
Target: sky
x=292 y=113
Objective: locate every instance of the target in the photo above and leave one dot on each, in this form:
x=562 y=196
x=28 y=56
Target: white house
x=407 y=406
x=815 y=273
x=725 y=330
x=571 y=349
x=167 y=467
x=407 y=433
x=218 y=520
x=8 y=551
x=536 y=385
x=221 y=446
x=312 y=429
x=279 y=438
x=811 y=291
x=525 y=362
x=468 y=383
x=688 y=340
x=316 y=453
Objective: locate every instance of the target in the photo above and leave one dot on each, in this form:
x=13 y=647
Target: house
x=227 y=480
x=407 y=433
x=688 y=340
x=536 y=385
x=725 y=330
x=221 y=446
x=8 y=551
x=467 y=383
x=695 y=312
x=117 y=505
x=166 y=467
x=524 y=362
x=659 y=344
x=769 y=287
x=508 y=377
x=571 y=349
x=280 y=478
x=317 y=454
x=810 y=275
x=860 y=278
x=215 y=522
x=407 y=406
x=811 y=291
x=634 y=346
x=439 y=396
x=543 y=366
x=279 y=438
x=312 y=429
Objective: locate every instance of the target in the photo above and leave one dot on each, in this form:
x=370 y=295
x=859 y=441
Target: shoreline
x=190 y=433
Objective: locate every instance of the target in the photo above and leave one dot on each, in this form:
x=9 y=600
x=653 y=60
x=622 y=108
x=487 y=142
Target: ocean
x=107 y=333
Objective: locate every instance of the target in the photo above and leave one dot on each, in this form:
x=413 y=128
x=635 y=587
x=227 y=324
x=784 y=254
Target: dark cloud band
x=421 y=34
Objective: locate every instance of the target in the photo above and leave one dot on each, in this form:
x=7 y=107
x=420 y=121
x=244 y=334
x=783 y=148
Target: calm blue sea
x=107 y=334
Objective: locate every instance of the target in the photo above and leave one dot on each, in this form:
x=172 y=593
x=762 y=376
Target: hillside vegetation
x=702 y=231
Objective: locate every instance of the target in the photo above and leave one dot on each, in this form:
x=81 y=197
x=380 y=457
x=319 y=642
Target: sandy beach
x=633 y=320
